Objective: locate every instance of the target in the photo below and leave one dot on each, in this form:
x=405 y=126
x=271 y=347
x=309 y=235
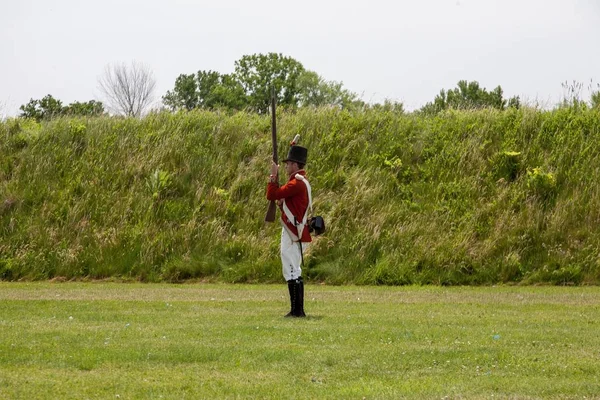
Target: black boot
x=299 y=298
x=292 y=289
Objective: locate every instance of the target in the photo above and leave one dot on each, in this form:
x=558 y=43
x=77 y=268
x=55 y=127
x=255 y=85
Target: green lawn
x=152 y=341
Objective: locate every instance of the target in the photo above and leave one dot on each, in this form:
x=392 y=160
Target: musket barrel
x=271 y=211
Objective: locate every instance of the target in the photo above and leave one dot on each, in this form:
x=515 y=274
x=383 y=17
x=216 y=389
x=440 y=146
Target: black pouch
x=316 y=225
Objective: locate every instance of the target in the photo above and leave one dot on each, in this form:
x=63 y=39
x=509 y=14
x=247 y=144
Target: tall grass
x=465 y=197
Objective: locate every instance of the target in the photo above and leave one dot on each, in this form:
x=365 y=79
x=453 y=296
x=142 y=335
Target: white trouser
x=291 y=259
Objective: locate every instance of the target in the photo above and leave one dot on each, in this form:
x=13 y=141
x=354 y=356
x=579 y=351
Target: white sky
x=402 y=50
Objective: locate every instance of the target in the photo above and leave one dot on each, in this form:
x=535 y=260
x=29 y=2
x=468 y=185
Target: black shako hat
x=297 y=154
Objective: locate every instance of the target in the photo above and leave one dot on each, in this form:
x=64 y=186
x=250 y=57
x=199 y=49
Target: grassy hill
x=466 y=197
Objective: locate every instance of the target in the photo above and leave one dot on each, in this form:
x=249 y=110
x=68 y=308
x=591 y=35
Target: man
x=294 y=200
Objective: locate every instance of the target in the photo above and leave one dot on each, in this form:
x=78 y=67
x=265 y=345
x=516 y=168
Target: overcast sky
x=401 y=50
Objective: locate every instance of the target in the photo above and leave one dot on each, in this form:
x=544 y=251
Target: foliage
x=462 y=197
x=249 y=87
x=220 y=91
x=317 y=92
x=469 y=95
x=184 y=95
x=506 y=165
x=595 y=100
x=45 y=108
x=207 y=89
x=572 y=95
x=49 y=107
x=258 y=73
x=158 y=183
x=387 y=106
x=542 y=184
x=89 y=109
x=514 y=102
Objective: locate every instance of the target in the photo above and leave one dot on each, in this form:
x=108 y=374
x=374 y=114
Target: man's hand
x=274 y=168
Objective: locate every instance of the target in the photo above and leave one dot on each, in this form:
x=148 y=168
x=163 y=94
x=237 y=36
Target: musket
x=271 y=211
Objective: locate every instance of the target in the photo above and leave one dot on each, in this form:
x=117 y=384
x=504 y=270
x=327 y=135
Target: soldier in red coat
x=294 y=200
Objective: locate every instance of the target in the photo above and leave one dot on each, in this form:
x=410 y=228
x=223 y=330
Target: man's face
x=290 y=167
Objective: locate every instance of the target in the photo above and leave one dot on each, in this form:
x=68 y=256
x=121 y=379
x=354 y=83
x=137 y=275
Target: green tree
x=206 y=89
x=88 y=109
x=49 y=107
x=250 y=87
x=31 y=110
x=469 y=95
x=45 y=108
x=257 y=73
x=514 y=102
x=184 y=95
x=315 y=91
x=220 y=90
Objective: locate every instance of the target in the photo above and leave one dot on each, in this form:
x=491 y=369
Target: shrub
x=541 y=184
x=506 y=165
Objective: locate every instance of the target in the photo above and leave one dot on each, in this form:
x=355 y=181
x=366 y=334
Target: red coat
x=295 y=194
